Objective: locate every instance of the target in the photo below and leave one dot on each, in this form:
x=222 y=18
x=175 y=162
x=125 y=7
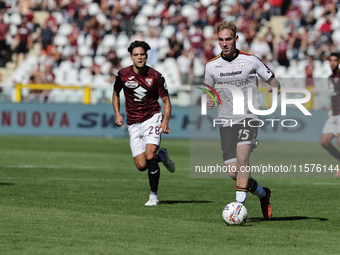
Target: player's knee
x=141 y=166
x=324 y=143
x=152 y=164
x=149 y=156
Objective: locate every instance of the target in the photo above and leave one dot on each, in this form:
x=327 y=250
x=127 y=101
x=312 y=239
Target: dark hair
x=136 y=44
x=334 y=54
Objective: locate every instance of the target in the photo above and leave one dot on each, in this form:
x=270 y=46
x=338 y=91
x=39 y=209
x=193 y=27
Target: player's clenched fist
x=119 y=120
x=210 y=103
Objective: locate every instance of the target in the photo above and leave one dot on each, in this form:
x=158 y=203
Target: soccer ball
x=235 y=213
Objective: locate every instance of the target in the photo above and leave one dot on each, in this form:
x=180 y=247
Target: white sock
x=260 y=192
x=241 y=196
x=153 y=194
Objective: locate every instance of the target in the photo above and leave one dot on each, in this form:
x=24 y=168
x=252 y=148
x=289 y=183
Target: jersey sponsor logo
x=131 y=84
x=230 y=73
x=149 y=82
x=241 y=65
x=238 y=83
x=140 y=93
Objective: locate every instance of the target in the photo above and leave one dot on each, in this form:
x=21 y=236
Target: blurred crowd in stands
x=179 y=29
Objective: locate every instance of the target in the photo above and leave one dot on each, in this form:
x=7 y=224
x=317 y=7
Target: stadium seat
x=188 y=10
x=94 y=9
x=162 y=52
x=84 y=50
x=66 y=52
x=59 y=17
x=99 y=60
x=101 y=49
x=87 y=61
x=65 y=29
x=168 y=31
x=85 y=77
x=122 y=40
x=105 y=67
x=72 y=77
x=122 y=52
x=59 y=76
x=159 y=8
x=58 y=96
x=335 y=23
x=101 y=18
x=109 y=40
x=152 y=2
x=13 y=29
x=100 y=81
x=65 y=65
x=81 y=39
x=336 y=36
x=141 y=20
x=319 y=23
x=163 y=42
x=198 y=67
x=205 y=3
x=280 y=72
x=147 y=10
x=60 y=40
x=126 y=61
x=318 y=11
x=15 y=19
x=208 y=31
x=6 y=18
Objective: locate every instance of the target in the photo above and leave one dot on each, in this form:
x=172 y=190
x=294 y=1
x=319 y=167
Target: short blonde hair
x=227 y=25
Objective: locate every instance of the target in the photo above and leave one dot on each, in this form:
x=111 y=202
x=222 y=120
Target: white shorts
x=332 y=125
x=144 y=133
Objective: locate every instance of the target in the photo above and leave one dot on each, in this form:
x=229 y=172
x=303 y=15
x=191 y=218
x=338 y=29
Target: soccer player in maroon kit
x=332 y=125
x=142 y=87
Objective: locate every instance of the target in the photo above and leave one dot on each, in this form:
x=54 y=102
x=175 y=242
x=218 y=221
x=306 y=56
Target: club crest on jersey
x=242 y=65
x=149 y=82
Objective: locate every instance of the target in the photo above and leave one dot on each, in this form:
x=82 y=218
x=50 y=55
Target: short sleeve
x=262 y=70
x=162 y=87
x=208 y=78
x=118 y=83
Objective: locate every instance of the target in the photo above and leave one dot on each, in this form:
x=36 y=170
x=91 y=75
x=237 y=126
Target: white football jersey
x=240 y=71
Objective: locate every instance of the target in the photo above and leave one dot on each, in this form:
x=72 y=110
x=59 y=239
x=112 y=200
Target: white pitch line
x=62 y=167
x=66 y=167
x=99 y=180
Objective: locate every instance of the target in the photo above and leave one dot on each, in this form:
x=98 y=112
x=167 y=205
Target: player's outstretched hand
x=210 y=103
x=164 y=126
x=119 y=120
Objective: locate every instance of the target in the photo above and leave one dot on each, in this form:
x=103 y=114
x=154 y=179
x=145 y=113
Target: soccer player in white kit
x=332 y=125
x=240 y=69
x=142 y=87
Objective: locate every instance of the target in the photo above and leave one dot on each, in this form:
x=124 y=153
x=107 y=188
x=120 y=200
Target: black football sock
x=153 y=173
x=333 y=151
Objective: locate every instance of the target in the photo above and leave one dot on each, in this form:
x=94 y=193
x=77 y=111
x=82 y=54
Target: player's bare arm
x=116 y=108
x=210 y=103
x=274 y=83
x=167 y=112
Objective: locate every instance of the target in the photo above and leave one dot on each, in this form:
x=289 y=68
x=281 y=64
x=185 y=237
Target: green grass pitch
x=85 y=196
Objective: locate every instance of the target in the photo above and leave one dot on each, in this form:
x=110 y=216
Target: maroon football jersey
x=334 y=82
x=141 y=93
